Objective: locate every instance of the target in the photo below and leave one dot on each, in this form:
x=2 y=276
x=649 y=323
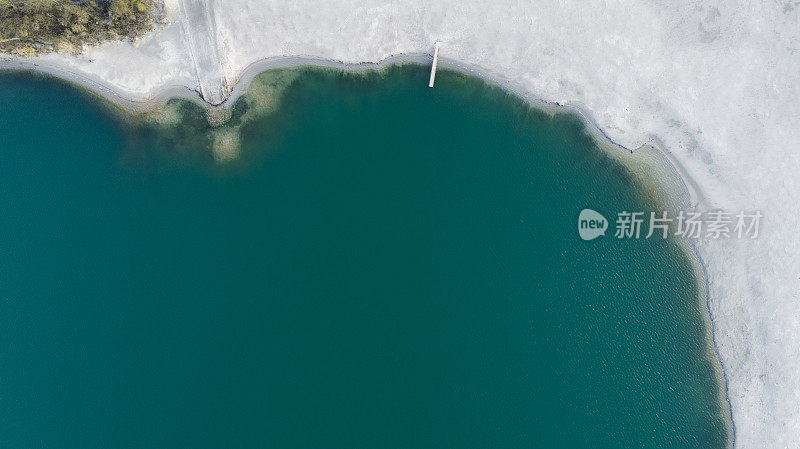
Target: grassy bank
x=34 y=27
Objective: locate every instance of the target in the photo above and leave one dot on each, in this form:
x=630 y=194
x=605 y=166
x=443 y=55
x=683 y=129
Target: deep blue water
x=385 y=265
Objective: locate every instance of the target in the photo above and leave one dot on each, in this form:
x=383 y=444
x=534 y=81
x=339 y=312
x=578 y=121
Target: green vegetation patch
x=33 y=27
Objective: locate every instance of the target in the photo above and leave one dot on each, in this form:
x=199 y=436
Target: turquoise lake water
x=383 y=266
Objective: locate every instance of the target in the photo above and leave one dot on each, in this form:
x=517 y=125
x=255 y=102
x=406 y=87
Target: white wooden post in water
x=435 y=60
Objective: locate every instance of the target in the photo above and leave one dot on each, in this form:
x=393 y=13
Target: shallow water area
x=340 y=260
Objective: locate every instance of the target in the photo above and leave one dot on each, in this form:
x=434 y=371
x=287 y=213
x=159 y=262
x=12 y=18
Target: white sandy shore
x=715 y=85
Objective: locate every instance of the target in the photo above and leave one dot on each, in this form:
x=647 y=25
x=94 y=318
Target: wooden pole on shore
x=433 y=67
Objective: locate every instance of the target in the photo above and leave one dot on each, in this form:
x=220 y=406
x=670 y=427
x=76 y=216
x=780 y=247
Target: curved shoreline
x=153 y=100
x=694 y=197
